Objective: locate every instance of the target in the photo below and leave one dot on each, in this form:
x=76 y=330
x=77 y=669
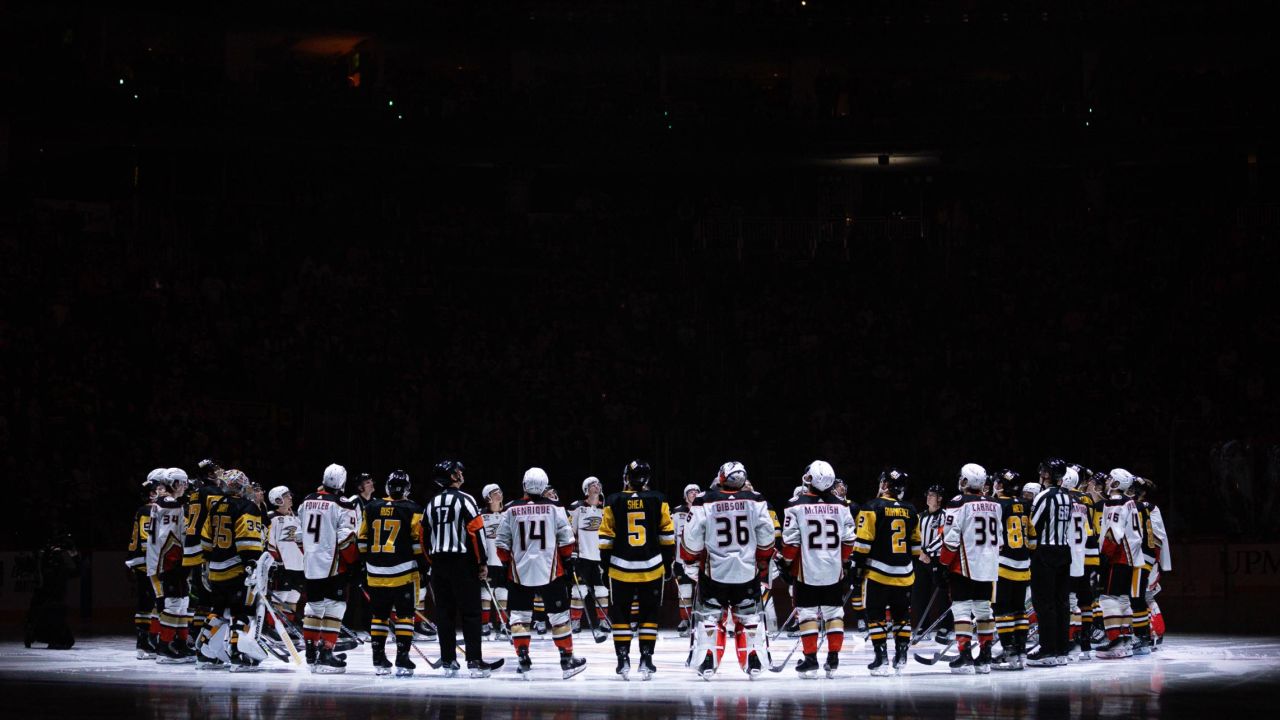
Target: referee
x=1051 y=564
x=450 y=527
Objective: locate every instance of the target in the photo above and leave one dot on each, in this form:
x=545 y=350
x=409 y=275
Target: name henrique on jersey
x=327 y=534
x=888 y=540
x=284 y=541
x=1015 y=550
x=1122 y=532
x=534 y=537
x=166 y=534
x=390 y=542
x=817 y=539
x=231 y=536
x=585 y=520
x=974 y=533
x=730 y=533
x=637 y=535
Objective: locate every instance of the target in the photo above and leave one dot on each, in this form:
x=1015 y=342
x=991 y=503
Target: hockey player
x=146 y=622
x=493 y=596
x=1084 y=559
x=328 y=548
x=817 y=541
x=930 y=584
x=686 y=575
x=203 y=493
x=284 y=542
x=1014 y=576
x=888 y=540
x=1122 y=548
x=585 y=516
x=535 y=539
x=971 y=552
x=1141 y=620
x=390 y=545
x=729 y=534
x=232 y=543
x=1156 y=551
x=637 y=544
x=165 y=538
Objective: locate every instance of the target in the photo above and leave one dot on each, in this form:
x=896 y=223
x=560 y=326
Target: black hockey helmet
x=1008 y=480
x=894 y=480
x=398 y=483
x=636 y=475
x=1054 y=468
x=443 y=471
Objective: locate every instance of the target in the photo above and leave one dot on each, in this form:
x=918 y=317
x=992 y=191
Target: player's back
x=1015 y=550
x=198 y=506
x=231 y=528
x=732 y=528
x=1120 y=526
x=820 y=527
x=889 y=535
x=167 y=534
x=533 y=530
x=325 y=528
x=389 y=541
x=637 y=530
x=975 y=528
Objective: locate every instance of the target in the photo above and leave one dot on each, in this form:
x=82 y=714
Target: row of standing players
x=719 y=548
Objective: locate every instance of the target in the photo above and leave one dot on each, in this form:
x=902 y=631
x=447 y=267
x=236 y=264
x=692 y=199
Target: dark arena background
x=564 y=234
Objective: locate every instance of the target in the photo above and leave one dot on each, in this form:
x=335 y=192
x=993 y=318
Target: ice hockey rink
x=1193 y=676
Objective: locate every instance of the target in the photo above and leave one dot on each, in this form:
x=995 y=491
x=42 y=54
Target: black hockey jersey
x=232 y=535
x=637 y=536
x=198 y=504
x=1015 y=551
x=888 y=540
x=390 y=542
x=136 y=559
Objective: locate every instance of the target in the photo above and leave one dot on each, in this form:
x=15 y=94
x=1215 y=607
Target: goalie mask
x=732 y=476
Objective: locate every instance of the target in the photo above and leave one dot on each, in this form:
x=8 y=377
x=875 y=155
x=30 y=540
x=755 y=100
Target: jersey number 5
x=635 y=529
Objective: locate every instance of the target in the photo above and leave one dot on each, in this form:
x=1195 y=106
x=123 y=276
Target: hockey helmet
x=972 y=476
x=819 y=475
x=398 y=483
x=535 y=481
x=335 y=477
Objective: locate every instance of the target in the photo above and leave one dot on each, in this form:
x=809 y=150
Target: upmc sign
x=1252 y=564
x=1222 y=587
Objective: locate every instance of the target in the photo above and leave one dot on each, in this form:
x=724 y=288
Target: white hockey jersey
x=166 y=534
x=326 y=533
x=817 y=538
x=679 y=518
x=284 y=541
x=1163 y=561
x=534 y=537
x=492 y=520
x=728 y=533
x=585 y=520
x=1121 y=534
x=972 y=539
x=1078 y=539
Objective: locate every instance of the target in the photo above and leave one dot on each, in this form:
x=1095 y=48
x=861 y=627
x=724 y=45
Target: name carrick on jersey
x=492 y=519
x=1015 y=550
x=817 y=538
x=198 y=504
x=637 y=535
x=534 y=538
x=166 y=535
x=137 y=557
x=585 y=520
x=284 y=541
x=730 y=533
x=1121 y=532
x=971 y=543
x=888 y=540
x=390 y=542
x=231 y=536
x=327 y=535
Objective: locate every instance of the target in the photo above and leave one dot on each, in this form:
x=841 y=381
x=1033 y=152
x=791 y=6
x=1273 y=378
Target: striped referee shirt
x=931 y=529
x=1051 y=517
x=450 y=525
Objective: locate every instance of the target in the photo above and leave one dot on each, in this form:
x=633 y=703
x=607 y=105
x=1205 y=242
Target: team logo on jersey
x=591 y=524
x=289 y=533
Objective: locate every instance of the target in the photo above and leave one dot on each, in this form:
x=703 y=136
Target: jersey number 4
x=530 y=533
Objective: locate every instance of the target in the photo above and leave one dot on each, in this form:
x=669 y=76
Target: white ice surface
x=1186 y=663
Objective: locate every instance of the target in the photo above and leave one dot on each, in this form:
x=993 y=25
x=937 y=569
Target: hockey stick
x=778 y=632
x=928 y=606
x=937 y=655
x=598 y=634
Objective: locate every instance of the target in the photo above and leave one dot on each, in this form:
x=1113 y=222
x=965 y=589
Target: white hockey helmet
x=690 y=487
x=820 y=475
x=1032 y=489
x=174 y=477
x=154 y=478
x=488 y=490
x=586 y=484
x=1070 y=478
x=276 y=496
x=732 y=475
x=335 y=477
x=972 y=476
x=1119 y=480
x=535 y=481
